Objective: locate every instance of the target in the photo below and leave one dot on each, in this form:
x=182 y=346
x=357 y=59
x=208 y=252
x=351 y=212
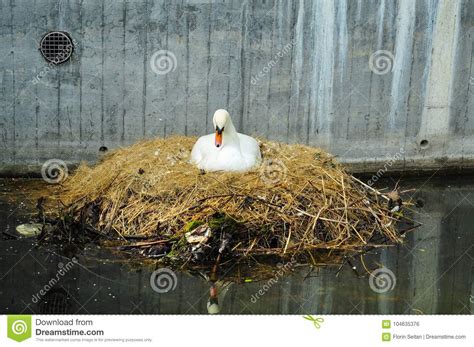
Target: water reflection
x=433 y=271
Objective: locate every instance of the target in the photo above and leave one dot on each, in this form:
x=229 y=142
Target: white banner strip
x=196 y=330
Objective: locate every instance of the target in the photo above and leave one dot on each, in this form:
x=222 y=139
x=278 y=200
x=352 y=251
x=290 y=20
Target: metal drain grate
x=56 y=47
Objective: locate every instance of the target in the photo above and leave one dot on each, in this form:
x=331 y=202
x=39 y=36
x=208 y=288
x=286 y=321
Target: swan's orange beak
x=218 y=141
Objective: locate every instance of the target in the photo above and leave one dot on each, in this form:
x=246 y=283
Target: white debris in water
x=29 y=230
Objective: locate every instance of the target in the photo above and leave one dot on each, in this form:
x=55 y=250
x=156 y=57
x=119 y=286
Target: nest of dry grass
x=299 y=200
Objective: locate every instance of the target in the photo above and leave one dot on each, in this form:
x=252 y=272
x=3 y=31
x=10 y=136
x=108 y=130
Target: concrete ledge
x=406 y=167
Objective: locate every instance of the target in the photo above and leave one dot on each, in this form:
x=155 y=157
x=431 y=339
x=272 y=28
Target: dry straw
x=300 y=200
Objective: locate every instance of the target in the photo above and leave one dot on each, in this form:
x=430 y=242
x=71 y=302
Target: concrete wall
x=292 y=71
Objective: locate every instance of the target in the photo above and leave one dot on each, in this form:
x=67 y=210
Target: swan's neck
x=230 y=134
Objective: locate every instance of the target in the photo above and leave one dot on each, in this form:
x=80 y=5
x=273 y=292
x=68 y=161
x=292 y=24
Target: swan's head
x=220 y=120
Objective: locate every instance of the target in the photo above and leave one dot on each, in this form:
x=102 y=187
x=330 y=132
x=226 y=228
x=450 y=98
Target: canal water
x=431 y=273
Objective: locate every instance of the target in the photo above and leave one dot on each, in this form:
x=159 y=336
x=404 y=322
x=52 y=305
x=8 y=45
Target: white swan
x=225 y=150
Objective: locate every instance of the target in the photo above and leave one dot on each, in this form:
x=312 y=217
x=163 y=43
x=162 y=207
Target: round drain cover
x=56 y=47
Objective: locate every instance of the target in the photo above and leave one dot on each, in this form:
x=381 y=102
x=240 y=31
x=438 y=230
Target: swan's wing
x=196 y=154
x=200 y=148
x=250 y=146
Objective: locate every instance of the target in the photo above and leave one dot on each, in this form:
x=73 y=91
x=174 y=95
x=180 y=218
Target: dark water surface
x=432 y=272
